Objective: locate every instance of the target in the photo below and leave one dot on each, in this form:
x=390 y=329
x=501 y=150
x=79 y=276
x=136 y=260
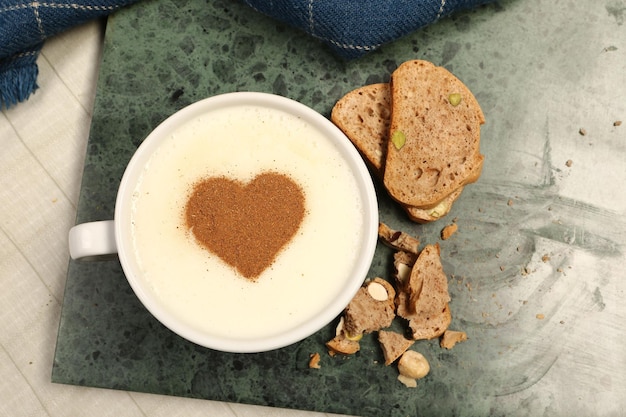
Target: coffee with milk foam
x=239 y=144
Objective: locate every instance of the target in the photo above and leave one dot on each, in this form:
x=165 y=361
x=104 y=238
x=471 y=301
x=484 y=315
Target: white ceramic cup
x=89 y=240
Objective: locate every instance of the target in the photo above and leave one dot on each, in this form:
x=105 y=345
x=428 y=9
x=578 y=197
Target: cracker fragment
x=314 y=361
x=393 y=345
x=340 y=344
x=403 y=264
x=397 y=239
x=449 y=230
x=423 y=300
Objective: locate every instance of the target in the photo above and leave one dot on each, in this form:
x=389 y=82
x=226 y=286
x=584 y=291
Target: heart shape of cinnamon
x=246 y=225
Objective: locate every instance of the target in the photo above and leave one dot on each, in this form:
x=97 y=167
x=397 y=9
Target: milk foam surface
x=239 y=143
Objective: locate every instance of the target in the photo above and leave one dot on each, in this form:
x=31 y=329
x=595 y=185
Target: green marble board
x=532 y=271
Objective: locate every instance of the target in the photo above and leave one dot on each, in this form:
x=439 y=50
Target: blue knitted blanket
x=350 y=28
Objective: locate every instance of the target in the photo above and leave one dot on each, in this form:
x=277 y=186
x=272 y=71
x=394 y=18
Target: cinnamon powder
x=246 y=225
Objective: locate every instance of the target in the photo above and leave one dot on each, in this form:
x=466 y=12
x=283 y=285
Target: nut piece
x=409 y=382
x=413 y=364
x=403 y=272
x=398 y=139
x=377 y=291
x=339 y=328
x=423 y=299
x=455 y=99
x=393 y=344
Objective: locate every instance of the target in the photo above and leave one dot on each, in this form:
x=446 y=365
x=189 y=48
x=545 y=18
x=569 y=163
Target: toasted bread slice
x=434 y=146
x=364 y=115
x=424 y=299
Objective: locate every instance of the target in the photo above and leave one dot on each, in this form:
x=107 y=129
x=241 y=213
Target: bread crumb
x=540 y=316
x=449 y=230
x=342 y=345
x=509 y=203
x=569 y=163
x=582 y=131
x=377 y=291
x=545 y=258
x=451 y=338
x=314 y=362
x=617 y=123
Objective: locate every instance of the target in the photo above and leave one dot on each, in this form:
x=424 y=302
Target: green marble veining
x=161 y=55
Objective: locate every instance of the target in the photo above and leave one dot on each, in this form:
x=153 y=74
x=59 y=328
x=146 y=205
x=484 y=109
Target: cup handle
x=92 y=239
